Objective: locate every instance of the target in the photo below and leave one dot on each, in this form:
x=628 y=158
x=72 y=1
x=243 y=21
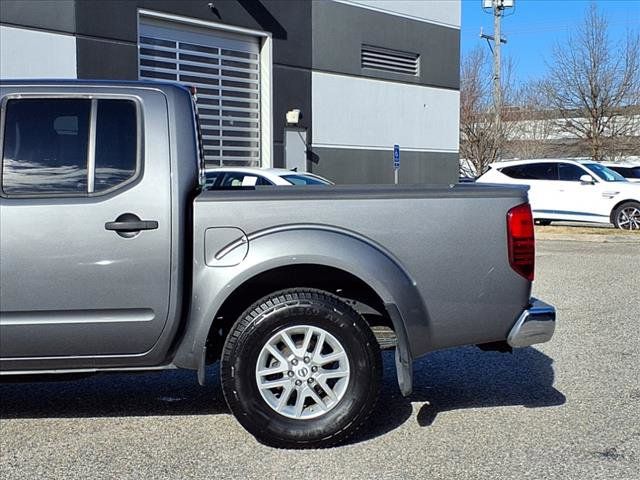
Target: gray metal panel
x=295 y=149
x=106 y=59
x=55 y=15
x=291 y=89
x=339 y=31
x=30 y=53
x=356 y=166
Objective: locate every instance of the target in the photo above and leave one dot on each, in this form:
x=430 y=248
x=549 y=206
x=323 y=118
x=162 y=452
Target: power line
x=532 y=28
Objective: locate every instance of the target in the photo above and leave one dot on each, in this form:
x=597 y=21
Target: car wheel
x=301 y=369
x=543 y=222
x=627 y=216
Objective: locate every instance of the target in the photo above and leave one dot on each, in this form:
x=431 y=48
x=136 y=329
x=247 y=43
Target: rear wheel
x=301 y=369
x=627 y=216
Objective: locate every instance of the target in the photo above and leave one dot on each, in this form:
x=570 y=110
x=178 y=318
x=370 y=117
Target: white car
x=582 y=191
x=628 y=170
x=225 y=177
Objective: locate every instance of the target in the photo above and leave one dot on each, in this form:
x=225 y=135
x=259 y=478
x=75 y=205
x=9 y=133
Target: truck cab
x=93 y=222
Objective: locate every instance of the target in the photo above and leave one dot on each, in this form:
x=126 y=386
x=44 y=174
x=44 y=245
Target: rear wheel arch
x=621 y=202
x=350 y=288
x=619 y=206
x=342 y=252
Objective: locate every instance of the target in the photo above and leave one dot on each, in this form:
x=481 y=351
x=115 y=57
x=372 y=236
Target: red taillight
x=521 y=242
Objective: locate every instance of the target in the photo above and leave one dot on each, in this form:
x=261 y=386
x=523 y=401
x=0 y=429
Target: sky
x=534 y=26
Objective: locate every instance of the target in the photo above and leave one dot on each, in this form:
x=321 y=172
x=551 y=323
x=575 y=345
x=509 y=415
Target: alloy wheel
x=302 y=372
x=629 y=218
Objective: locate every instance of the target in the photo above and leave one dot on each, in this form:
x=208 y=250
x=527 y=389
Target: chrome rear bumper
x=535 y=325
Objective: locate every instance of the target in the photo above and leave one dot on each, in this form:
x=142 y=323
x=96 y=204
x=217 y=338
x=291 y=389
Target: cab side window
x=116 y=143
x=47 y=148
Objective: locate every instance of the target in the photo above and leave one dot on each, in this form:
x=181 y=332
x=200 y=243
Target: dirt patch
x=586 y=234
x=560 y=229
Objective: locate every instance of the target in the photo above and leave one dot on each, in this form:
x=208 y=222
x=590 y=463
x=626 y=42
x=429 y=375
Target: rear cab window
x=69 y=146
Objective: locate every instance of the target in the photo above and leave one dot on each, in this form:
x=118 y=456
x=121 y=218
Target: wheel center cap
x=303 y=372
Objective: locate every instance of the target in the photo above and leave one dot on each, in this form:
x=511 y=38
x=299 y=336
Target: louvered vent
x=228 y=86
x=382 y=59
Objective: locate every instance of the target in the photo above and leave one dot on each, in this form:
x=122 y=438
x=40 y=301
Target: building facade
x=360 y=75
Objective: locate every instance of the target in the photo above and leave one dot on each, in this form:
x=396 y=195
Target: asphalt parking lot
x=567 y=409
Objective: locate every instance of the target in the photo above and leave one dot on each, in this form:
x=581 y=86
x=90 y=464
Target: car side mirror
x=587 y=179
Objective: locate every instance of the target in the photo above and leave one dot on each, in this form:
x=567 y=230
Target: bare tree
x=532 y=124
x=594 y=84
x=481 y=140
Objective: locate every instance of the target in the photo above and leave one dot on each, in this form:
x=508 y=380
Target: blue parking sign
x=396 y=156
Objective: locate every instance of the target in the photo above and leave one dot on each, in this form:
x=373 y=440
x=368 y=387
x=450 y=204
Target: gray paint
x=339 y=30
x=106 y=59
x=278 y=155
x=291 y=89
x=55 y=15
x=359 y=166
x=26 y=53
x=295 y=145
x=369 y=113
x=439 y=11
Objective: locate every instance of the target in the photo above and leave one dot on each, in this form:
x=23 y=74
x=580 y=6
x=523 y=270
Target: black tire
x=543 y=222
x=275 y=313
x=626 y=216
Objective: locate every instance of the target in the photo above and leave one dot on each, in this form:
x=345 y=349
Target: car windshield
x=604 y=173
x=305 y=180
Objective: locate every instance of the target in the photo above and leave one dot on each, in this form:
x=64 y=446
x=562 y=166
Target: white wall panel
x=446 y=12
x=364 y=113
x=32 y=54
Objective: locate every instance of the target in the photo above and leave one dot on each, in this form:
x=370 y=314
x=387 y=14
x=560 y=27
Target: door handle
x=129 y=225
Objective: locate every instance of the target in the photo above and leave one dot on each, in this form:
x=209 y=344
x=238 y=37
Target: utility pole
x=496 y=7
x=497 y=41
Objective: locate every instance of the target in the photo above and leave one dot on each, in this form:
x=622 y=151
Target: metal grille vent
x=228 y=98
x=382 y=59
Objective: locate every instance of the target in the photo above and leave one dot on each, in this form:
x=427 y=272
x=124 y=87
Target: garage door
x=225 y=69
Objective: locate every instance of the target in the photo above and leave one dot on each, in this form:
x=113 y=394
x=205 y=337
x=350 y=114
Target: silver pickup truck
x=114 y=259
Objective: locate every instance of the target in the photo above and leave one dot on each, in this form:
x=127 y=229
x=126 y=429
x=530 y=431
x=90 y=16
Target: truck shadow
x=173 y=392
x=464 y=378
x=443 y=381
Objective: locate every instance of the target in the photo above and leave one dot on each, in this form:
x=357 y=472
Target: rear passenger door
x=85 y=227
